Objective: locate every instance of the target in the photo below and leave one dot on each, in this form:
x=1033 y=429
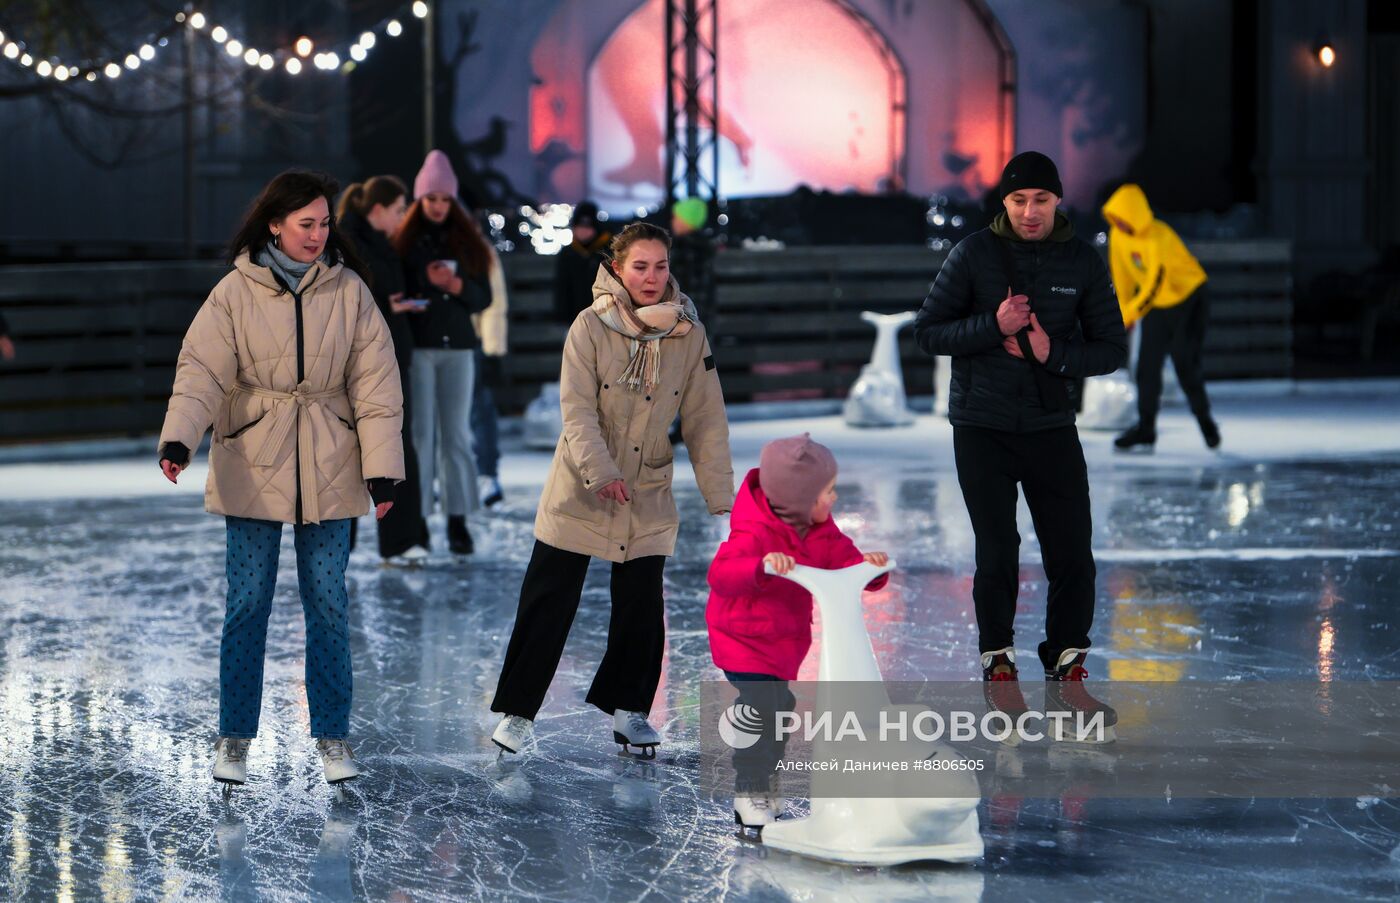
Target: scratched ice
x=1250 y=566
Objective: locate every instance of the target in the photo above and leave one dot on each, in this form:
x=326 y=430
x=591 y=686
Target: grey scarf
x=291 y=271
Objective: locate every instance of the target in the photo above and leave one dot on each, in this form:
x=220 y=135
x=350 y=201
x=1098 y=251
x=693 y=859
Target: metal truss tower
x=692 y=101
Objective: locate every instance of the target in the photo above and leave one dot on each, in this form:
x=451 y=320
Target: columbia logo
x=1063 y=290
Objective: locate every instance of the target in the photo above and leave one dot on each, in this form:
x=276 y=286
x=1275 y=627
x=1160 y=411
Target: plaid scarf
x=671 y=317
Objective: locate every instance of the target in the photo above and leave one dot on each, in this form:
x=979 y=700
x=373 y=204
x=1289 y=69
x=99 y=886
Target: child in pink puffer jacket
x=761 y=625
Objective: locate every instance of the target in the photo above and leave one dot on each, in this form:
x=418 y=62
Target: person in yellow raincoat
x=1160 y=283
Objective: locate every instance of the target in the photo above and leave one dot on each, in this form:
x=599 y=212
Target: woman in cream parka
x=290 y=362
x=632 y=361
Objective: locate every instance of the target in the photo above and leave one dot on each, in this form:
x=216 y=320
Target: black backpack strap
x=1054 y=395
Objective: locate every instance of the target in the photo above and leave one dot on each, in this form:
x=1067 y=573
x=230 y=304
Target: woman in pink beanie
x=447 y=266
x=761 y=626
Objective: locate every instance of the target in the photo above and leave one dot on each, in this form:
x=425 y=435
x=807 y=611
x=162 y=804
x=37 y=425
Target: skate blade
x=338 y=781
x=1135 y=450
x=645 y=751
x=747 y=833
x=504 y=749
x=1060 y=735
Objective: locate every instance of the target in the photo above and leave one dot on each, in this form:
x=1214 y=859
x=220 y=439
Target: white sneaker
x=513 y=732
x=753 y=811
x=337 y=760
x=412 y=556
x=489 y=489
x=231 y=760
x=633 y=729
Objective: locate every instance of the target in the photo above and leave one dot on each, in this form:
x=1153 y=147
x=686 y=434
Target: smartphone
x=417 y=303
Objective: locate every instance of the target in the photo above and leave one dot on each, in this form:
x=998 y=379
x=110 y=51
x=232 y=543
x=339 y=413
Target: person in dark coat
x=369 y=213
x=1025 y=309
x=447 y=263
x=576 y=267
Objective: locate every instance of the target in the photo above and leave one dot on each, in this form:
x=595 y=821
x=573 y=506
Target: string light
x=112 y=68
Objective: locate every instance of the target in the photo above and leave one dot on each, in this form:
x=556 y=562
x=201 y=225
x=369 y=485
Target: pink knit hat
x=436 y=176
x=792 y=473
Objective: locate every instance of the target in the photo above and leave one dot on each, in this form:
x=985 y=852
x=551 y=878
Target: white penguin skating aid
x=877 y=398
x=871 y=831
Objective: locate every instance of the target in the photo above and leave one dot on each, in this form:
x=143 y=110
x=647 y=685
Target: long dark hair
x=464 y=239
x=286 y=193
x=361 y=197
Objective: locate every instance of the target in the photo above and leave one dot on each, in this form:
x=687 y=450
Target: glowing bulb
x=147 y=52
x=357 y=53
x=293 y=66
x=112 y=70
x=218 y=35
x=73 y=71
x=266 y=62
x=303 y=46
x=61 y=73
x=26 y=60
x=92 y=76
x=251 y=57
x=132 y=61
x=367 y=40
x=393 y=29
x=2 y=37
x=11 y=51
x=234 y=48
x=44 y=68
x=1326 y=55
x=332 y=61
x=420 y=9
x=197 y=20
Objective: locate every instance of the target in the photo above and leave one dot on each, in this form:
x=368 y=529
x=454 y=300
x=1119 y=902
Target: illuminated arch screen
x=805 y=98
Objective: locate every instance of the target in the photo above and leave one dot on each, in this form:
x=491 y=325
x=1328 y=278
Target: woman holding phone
x=291 y=363
x=447 y=263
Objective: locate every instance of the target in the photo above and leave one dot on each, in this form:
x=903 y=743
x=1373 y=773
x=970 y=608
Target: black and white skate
x=752 y=812
x=631 y=730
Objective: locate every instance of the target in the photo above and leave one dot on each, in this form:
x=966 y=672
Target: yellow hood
x=1130 y=205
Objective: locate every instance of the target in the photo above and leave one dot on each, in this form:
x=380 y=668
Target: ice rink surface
x=1278 y=560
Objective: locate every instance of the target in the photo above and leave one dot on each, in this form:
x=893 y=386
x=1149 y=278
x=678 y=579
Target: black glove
x=175 y=453
x=492 y=371
x=381 y=489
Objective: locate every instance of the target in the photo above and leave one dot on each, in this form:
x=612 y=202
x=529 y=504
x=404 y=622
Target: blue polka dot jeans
x=322 y=550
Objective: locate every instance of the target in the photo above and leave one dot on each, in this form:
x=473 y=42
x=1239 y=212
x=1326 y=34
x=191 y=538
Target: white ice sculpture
x=543 y=419
x=877 y=398
x=871 y=831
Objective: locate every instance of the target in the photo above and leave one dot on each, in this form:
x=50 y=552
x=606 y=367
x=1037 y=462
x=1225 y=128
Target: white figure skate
x=877 y=398
x=875 y=831
x=512 y=733
x=631 y=729
x=231 y=761
x=337 y=761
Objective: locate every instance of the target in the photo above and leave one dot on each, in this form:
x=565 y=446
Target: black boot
x=1136 y=439
x=459 y=541
x=1210 y=432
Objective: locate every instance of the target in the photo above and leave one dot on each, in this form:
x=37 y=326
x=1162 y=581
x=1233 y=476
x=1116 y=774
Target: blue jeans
x=322 y=553
x=485 y=434
x=755 y=767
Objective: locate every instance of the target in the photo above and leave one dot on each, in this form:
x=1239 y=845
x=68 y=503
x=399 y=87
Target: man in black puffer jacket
x=1025 y=309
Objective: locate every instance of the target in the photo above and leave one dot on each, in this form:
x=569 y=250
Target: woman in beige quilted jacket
x=290 y=362
x=632 y=361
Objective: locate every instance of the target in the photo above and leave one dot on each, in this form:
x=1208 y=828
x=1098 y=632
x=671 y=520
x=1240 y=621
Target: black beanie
x=1030 y=170
x=585 y=214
